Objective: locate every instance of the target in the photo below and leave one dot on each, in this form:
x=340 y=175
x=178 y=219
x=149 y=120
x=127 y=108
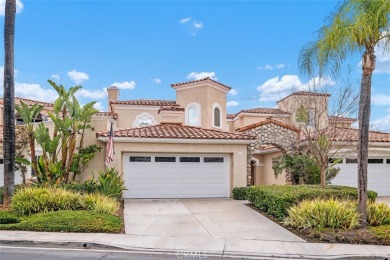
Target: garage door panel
x=378 y=177
x=175 y=179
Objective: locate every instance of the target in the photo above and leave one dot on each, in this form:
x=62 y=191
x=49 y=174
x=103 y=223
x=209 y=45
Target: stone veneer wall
x=281 y=137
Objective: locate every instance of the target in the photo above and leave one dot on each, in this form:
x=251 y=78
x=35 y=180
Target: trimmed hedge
x=239 y=193
x=277 y=199
x=68 y=221
x=8 y=217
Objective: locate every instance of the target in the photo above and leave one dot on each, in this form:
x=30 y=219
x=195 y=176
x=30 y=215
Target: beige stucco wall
x=128 y=114
x=320 y=103
x=264 y=174
x=206 y=96
x=248 y=119
x=237 y=153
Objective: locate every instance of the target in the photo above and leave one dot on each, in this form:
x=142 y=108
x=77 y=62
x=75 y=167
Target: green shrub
x=44 y=199
x=277 y=199
x=38 y=199
x=68 y=221
x=8 y=217
x=320 y=214
x=239 y=193
x=101 y=204
x=378 y=214
x=382 y=232
x=111 y=183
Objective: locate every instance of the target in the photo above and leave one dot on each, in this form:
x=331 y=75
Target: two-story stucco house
x=191 y=148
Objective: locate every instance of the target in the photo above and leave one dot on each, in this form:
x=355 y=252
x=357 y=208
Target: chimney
x=113 y=94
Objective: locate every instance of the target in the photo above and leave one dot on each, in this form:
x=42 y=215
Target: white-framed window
x=144 y=119
x=217 y=116
x=193 y=114
x=311 y=117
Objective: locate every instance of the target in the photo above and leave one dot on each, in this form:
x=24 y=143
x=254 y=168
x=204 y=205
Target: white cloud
x=382 y=124
x=56 y=77
x=233 y=92
x=271 y=67
x=99 y=106
x=380 y=99
x=19 y=7
x=382 y=62
x=77 y=76
x=232 y=103
x=193 y=27
x=28 y=90
x=92 y=94
x=156 y=81
x=280 y=66
x=185 y=20
x=197 y=25
x=201 y=75
x=124 y=84
x=275 y=89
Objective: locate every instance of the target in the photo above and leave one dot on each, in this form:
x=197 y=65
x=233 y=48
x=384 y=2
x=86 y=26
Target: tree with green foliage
x=356 y=26
x=29 y=115
x=9 y=102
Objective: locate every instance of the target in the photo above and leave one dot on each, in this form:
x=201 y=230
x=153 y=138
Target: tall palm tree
x=9 y=102
x=357 y=26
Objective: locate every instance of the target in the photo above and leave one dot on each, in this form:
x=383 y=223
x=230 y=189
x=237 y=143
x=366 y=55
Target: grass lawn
x=63 y=221
x=379 y=235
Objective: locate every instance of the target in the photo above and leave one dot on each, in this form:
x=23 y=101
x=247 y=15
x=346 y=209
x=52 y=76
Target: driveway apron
x=201 y=218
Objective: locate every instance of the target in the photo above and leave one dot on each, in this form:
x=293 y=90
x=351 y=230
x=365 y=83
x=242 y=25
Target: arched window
x=144 y=119
x=193 y=115
x=217 y=115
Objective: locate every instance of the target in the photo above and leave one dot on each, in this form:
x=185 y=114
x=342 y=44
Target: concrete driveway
x=201 y=218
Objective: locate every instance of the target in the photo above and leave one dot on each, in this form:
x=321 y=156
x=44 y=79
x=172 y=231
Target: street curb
x=99 y=246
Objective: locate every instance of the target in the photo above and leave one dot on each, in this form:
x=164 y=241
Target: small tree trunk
x=32 y=151
x=9 y=102
x=323 y=175
x=368 y=66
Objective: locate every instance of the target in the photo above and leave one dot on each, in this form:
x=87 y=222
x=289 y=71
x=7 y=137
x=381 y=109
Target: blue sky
x=144 y=46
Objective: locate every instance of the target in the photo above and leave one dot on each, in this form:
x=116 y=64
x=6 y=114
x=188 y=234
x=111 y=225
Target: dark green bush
x=277 y=199
x=68 y=221
x=8 y=217
x=108 y=183
x=239 y=193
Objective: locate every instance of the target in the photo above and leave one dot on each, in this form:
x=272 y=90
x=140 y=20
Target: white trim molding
x=142 y=118
x=216 y=105
x=190 y=105
x=174 y=140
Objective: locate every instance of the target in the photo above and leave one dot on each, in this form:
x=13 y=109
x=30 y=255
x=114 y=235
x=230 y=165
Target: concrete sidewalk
x=212 y=246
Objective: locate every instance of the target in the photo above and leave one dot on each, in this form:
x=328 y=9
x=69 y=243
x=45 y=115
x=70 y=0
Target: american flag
x=110 y=146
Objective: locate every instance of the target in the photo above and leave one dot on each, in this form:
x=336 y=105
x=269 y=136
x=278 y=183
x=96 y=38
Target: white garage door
x=378 y=175
x=176 y=176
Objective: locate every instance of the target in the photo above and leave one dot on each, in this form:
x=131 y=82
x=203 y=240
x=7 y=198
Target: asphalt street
x=40 y=253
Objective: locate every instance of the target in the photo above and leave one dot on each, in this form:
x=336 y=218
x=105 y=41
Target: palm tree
x=9 y=102
x=29 y=114
x=357 y=26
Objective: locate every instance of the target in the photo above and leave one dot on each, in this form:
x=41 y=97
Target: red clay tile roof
x=170 y=108
x=199 y=80
x=268 y=121
x=260 y=110
x=342 y=119
x=230 y=116
x=105 y=114
x=145 y=102
x=29 y=102
x=351 y=135
x=306 y=93
x=176 y=131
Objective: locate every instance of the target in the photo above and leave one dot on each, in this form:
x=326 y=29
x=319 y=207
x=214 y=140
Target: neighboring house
x=191 y=148
x=42 y=117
